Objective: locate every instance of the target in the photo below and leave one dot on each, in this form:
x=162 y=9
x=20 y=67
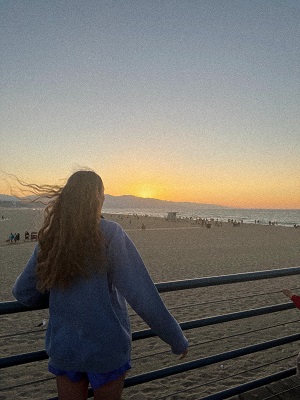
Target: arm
x=24 y=288
x=131 y=278
x=295 y=299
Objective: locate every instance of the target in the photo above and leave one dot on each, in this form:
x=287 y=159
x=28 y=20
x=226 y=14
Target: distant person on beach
x=296 y=300
x=88 y=268
x=11 y=237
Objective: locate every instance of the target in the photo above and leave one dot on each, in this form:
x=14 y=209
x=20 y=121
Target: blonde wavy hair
x=71 y=245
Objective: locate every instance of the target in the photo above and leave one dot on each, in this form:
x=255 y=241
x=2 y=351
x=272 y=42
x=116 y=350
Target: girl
x=88 y=268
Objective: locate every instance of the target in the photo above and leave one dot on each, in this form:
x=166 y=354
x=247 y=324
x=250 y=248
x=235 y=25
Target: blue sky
x=178 y=100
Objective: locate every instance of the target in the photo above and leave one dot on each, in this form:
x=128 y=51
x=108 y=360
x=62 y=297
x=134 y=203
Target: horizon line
x=183 y=202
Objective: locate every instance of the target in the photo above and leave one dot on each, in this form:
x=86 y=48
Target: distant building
x=171 y=216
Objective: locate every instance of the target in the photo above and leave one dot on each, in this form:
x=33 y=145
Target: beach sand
x=172 y=251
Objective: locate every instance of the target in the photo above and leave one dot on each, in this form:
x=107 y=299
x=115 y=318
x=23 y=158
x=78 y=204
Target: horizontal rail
x=218 y=319
x=226 y=279
x=225 y=394
x=24 y=358
x=147 y=333
x=10 y=307
x=203 y=362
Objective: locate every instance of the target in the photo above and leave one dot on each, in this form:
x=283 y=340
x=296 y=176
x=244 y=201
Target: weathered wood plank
x=258 y=394
x=285 y=389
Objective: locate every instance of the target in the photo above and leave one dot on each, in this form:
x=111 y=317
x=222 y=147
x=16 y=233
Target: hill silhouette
x=117 y=202
x=133 y=202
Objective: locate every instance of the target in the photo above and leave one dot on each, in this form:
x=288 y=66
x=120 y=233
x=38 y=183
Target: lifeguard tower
x=171 y=216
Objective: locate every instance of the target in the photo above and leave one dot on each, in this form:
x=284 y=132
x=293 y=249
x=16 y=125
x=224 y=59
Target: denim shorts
x=96 y=379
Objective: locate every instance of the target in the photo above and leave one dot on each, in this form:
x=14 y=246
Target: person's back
x=92 y=331
x=88 y=279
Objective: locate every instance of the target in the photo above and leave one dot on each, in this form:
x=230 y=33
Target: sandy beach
x=172 y=251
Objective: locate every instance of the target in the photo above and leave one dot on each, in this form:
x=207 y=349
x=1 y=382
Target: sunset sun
x=145 y=191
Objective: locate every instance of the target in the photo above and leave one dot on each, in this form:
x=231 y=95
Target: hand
x=287 y=292
x=182 y=355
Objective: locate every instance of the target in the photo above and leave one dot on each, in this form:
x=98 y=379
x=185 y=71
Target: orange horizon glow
x=175 y=190
x=224 y=194
x=145 y=192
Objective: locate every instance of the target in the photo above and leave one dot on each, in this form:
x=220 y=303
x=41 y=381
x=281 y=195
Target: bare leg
x=111 y=390
x=68 y=390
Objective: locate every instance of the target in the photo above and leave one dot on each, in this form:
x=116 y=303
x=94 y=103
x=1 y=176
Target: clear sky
x=183 y=100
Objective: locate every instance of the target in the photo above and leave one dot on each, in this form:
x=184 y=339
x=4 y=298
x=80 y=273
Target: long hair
x=70 y=242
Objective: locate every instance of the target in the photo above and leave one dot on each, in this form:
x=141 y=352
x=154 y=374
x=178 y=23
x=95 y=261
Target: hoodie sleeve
x=24 y=288
x=131 y=278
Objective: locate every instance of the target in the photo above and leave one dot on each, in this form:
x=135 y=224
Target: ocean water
x=250 y=216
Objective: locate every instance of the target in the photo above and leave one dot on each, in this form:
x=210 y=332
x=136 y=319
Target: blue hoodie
x=89 y=328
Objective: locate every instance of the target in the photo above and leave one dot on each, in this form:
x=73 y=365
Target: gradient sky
x=183 y=100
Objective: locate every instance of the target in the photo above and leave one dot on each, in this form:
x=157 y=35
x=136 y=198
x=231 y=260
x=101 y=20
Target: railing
x=15 y=307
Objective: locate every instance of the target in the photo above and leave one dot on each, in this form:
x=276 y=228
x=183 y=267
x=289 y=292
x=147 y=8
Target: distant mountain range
x=133 y=202
x=120 y=203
